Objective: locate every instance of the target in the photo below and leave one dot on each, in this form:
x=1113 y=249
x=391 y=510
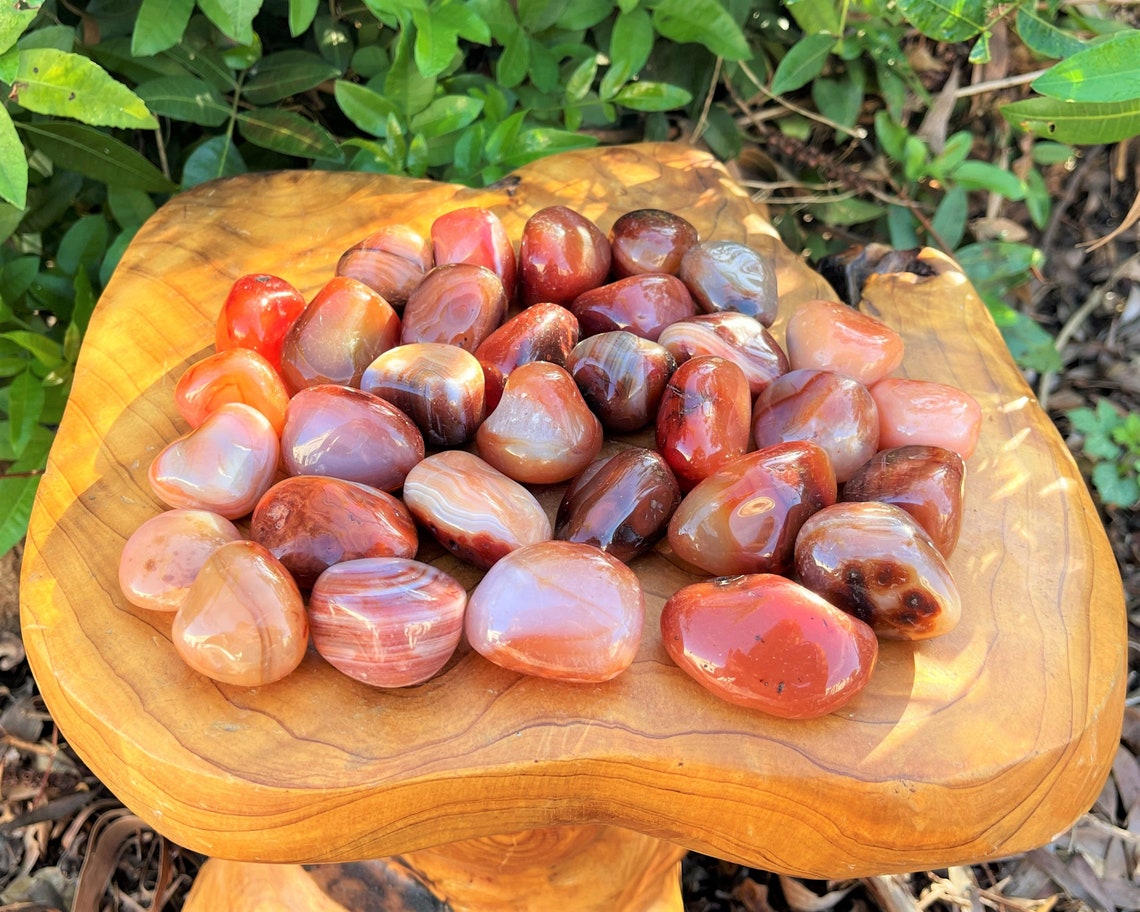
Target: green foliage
x=1111 y=442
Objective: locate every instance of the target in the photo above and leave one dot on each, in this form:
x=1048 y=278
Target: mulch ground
x=66 y=843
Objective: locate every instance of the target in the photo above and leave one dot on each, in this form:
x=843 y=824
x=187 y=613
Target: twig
x=856 y=131
x=162 y=153
x=995 y=85
x=703 y=120
x=1082 y=313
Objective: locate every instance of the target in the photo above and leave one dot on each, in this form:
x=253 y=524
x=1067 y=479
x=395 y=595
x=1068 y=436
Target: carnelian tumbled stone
x=234 y=375
x=243 y=621
x=391 y=261
x=923 y=412
x=542 y=332
x=456 y=304
x=641 y=304
x=561 y=254
x=475 y=235
x=257 y=314
x=827 y=335
x=559 y=610
x=650 y=240
x=765 y=642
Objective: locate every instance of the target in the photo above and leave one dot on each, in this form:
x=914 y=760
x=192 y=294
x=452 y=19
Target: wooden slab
x=986 y=742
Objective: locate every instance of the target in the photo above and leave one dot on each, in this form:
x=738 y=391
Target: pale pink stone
x=560 y=610
x=163 y=556
x=923 y=412
x=827 y=335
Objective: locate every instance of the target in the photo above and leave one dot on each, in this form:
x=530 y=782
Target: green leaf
x=980 y=53
x=1045 y=38
x=13 y=163
x=301 y=15
x=980 y=175
x=853 y=211
x=159 y=25
x=1105 y=72
x=242 y=56
x=288 y=133
x=85 y=294
x=1079 y=124
x=503 y=137
x=631 y=42
x=947 y=20
x=949 y=220
x=840 y=99
x=404 y=85
x=1038 y=199
x=462 y=17
x=1031 y=346
x=722 y=134
x=25 y=403
x=446 y=114
x=185 y=98
x=468 y=154
x=891 y=135
x=652 y=96
x=71 y=85
x=539 y=15
x=233 y=17
x=14 y=19
x=82 y=244
x=1051 y=153
x=46 y=351
x=584 y=14
x=803 y=62
x=915 y=158
x=581 y=79
x=511 y=67
x=1114 y=487
x=365 y=107
x=214 y=158
x=704 y=22
x=903 y=228
x=437 y=43
x=997 y=261
x=16 y=498
x=539 y=142
x=954 y=152
x=336 y=45
x=91 y=152
x=286 y=73
x=816 y=17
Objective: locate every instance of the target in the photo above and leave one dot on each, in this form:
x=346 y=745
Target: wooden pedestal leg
x=587 y=868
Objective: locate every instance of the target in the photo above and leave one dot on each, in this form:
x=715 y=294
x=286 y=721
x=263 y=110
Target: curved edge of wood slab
x=985 y=742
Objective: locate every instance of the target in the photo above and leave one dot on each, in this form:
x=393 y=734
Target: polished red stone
x=224 y=465
x=344 y=328
x=641 y=304
x=243 y=621
x=928 y=482
x=828 y=335
x=827 y=408
x=923 y=412
x=388 y=622
x=457 y=304
x=622 y=377
x=876 y=563
x=163 y=556
x=560 y=610
x=561 y=254
x=704 y=418
x=233 y=375
x=542 y=431
x=726 y=275
x=620 y=503
x=310 y=523
x=473 y=509
x=257 y=313
x=764 y=642
x=650 y=240
x=440 y=387
x=745 y=516
x=734 y=336
x=541 y=332
x=475 y=235
x=347 y=433
x=391 y=261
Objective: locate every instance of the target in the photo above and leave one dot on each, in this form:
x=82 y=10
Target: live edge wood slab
x=985 y=742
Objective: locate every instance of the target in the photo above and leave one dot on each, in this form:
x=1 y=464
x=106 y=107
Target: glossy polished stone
x=257 y=313
x=234 y=375
x=310 y=523
x=473 y=509
x=622 y=377
x=736 y=337
x=766 y=643
x=620 y=503
x=224 y=465
x=541 y=332
x=876 y=563
x=559 y=610
x=650 y=240
x=389 y=622
x=922 y=412
x=243 y=621
x=561 y=254
x=745 y=516
x=828 y=335
x=457 y=304
x=641 y=304
x=726 y=275
x=542 y=431
x=827 y=408
x=704 y=418
x=928 y=482
x=344 y=328
x=391 y=261
x=476 y=235
x=347 y=433
x=163 y=556
x=440 y=387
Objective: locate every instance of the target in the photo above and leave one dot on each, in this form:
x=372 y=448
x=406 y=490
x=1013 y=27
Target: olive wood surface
x=985 y=742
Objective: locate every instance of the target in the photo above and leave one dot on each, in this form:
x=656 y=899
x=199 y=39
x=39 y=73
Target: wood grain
x=983 y=743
